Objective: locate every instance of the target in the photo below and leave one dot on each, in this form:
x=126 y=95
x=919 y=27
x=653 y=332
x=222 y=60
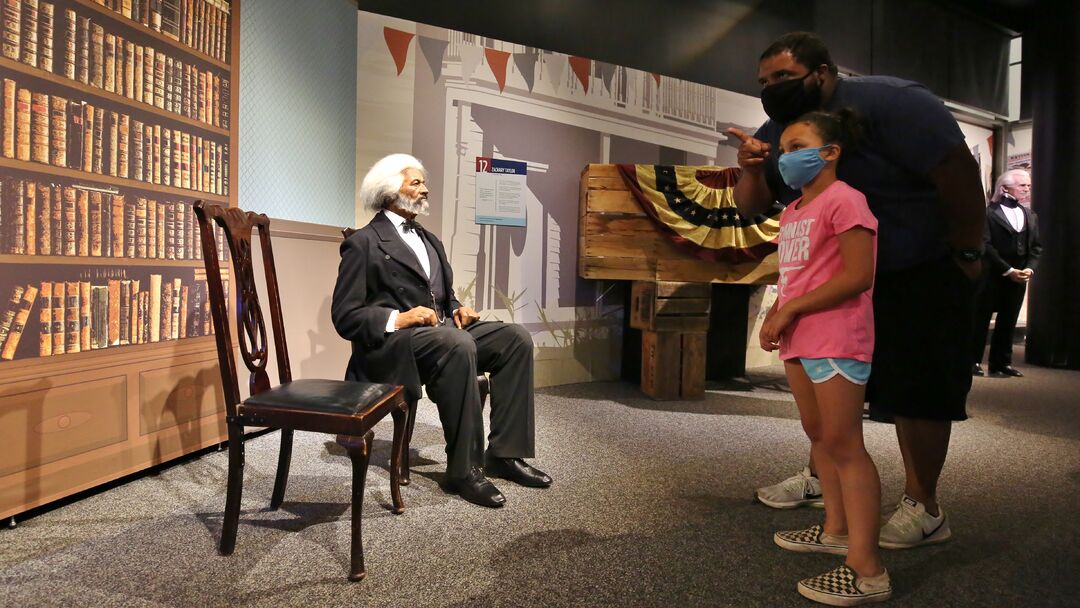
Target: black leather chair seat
x=339 y=406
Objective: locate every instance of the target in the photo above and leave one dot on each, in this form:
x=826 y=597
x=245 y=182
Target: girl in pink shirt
x=823 y=325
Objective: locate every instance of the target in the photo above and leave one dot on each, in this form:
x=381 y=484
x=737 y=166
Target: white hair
x=1007 y=178
x=384 y=180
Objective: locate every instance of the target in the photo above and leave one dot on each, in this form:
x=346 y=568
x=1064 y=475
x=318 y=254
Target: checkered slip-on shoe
x=842 y=587
x=811 y=540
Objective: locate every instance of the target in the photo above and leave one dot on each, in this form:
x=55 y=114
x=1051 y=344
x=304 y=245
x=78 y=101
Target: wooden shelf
x=109 y=356
x=22 y=68
x=23 y=165
x=71 y=260
x=176 y=44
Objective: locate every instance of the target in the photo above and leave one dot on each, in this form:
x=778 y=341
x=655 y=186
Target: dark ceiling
x=1016 y=15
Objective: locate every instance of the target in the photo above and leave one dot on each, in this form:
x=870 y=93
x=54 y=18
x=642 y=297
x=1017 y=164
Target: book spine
x=154 y=310
x=129 y=69
x=99 y=317
x=30 y=32
x=116 y=226
x=124 y=142
x=165 y=312
x=56 y=224
x=29 y=213
x=114 y=144
x=174 y=323
x=7 y=318
x=17 y=209
x=125 y=312
x=95 y=223
x=224 y=103
x=135 y=325
x=109 y=67
x=70 y=43
x=131 y=246
x=177 y=158
x=114 y=312
x=70 y=221
x=22 y=315
x=74 y=132
x=140 y=228
x=7 y=121
x=185 y=160
x=185 y=293
x=58 y=318
x=23 y=99
x=185 y=106
x=137 y=75
x=159 y=80
x=99 y=141
x=97 y=56
x=148 y=76
x=45 y=341
x=71 y=321
x=168 y=83
x=44 y=213
x=58 y=131
x=106 y=224
x=12 y=32
x=166 y=156
x=144 y=317
x=151 y=228
x=170 y=231
x=88 y=138
x=180 y=225
x=157 y=154
x=201 y=97
x=84 y=315
x=136 y=144
x=161 y=230
x=39 y=128
x=82 y=222
x=83 y=59
x=46 y=26
x=148 y=153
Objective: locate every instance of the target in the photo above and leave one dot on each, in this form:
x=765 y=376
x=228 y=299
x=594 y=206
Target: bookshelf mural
x=115 y=117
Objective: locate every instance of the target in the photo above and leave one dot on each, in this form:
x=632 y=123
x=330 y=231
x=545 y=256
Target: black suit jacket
x=378 y=274
x=1005 y=247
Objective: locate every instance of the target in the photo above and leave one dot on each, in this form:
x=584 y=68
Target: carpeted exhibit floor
x=651 y=507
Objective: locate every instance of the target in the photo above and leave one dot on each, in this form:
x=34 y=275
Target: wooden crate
x=673 y=364
x=670 y=306
x=617 y=240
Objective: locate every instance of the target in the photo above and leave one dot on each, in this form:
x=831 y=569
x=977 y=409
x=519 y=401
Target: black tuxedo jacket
x=1005 y=247
x=378 y=274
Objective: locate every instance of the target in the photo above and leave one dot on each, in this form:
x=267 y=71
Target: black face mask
x=785 y=101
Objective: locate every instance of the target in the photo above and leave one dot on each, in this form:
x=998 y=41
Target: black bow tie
x=1010 y=202
x=410 y=226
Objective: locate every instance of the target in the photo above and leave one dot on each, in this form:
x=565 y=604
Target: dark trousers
x=449 y=359
x=1005 y=297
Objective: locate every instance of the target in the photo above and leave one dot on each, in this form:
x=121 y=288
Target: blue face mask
x=800 y=167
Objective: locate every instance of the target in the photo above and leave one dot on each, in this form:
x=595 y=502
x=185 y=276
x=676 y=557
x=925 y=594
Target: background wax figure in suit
x=395 y=302
x=1012 y=253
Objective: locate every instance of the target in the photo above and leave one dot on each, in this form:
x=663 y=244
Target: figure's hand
x=1018 y=276
x=774 y=326
x=752 y=152
x=1028 y=273
x=465 y=316
x=420 y=316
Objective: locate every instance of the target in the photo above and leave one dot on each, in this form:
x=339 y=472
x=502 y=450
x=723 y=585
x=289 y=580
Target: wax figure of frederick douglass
x=395 y=302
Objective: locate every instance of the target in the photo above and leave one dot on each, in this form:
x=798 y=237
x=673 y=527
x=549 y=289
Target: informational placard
x=500 y=192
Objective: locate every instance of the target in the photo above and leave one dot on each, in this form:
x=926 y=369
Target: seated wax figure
x=395 y=302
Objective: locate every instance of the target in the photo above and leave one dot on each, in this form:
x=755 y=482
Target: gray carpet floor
x=651 y=507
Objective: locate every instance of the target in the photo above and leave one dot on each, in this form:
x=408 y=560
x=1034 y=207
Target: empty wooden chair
x=346 y=409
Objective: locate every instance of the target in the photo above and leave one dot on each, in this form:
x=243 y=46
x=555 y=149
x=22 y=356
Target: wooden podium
x=670 y=295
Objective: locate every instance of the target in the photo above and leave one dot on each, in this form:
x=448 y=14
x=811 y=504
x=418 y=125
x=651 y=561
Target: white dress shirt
x=1015 y=215
x=413 y=240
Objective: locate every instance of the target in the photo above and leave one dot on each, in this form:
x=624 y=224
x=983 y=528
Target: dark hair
x=805 y=48
x=844 y=127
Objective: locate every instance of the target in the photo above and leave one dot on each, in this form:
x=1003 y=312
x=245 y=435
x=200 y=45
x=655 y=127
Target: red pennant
x=582 y=67
x=656 y=77
x=398 y=43
x=497 y=62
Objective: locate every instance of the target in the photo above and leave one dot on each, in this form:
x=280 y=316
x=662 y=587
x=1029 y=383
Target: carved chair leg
x=401 y=416
x=359 y=449
x=234 y=490
x=282 y=478
x=413 y=407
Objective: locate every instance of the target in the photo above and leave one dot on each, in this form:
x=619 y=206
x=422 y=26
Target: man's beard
x=416 y=206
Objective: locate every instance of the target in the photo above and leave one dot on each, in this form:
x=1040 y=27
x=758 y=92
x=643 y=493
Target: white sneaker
x=795 y=491
x=911 y=526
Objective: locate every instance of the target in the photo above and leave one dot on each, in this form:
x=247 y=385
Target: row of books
x=38 y=218
x=109 y=62
x=76 y=316
x=63 y=132
x=201 y=24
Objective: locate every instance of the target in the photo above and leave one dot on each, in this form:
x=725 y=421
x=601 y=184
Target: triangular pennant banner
x=526 y=64
x=556 y=65
x=496 y=60
x=470 y=59
x=656 y=77
x=398 y=43
x=433 y=50
x=581 y=67
x=607 y=74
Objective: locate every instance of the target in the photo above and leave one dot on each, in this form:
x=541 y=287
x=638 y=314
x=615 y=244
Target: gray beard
x=417 y=206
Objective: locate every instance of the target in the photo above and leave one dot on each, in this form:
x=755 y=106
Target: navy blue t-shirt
x=908 y=132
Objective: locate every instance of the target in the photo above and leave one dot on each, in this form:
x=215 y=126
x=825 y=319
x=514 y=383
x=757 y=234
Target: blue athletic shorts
x=820 y=370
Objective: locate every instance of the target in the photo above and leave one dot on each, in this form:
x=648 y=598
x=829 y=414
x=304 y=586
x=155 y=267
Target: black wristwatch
x=968 y=255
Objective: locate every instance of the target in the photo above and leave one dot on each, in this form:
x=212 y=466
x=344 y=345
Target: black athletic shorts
x=923 y=323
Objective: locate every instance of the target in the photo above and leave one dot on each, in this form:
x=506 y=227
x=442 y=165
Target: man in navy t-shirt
x=923 y=185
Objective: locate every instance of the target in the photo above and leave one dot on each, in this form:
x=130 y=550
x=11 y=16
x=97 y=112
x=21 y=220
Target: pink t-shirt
x=809 y=256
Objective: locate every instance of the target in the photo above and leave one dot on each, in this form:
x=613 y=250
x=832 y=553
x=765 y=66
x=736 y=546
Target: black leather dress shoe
x=478 y=490
x=516 y=470
x=1007 y=370
x=976 y=370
